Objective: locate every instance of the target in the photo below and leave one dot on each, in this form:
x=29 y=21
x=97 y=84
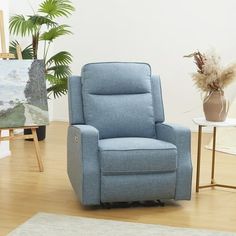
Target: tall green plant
x=43 y=26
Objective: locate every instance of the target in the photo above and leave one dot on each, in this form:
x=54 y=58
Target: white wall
x=4 y=6
x=154 y=31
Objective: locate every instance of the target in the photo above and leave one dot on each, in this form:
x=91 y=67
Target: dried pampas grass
x=210 y=75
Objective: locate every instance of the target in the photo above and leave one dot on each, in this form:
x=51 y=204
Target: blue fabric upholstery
x=157 y=99
x=136 y=156
x=75 y=100
x=117 y=99
x=123 y=188
x=83 y=164
x=118 y=148
x=181 y=138
x=116 y=78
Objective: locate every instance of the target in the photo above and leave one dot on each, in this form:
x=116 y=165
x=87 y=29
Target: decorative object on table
x=211 y=79
x=225 y=140
x=42 y=26
x=23 y=96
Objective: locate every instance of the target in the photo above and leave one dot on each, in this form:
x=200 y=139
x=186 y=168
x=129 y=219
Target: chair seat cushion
x=132 y=155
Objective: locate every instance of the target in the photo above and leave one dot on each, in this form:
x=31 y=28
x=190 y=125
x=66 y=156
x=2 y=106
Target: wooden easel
x=12 y=135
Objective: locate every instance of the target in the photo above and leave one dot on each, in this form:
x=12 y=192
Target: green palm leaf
x=57 y=90
x=41 y=20
x=19 y=25
x=55 y=32
x=57 y=86
x=61 y=58
x=52 y=79
x=60 y=71
x=27 y=53
x=56 y=8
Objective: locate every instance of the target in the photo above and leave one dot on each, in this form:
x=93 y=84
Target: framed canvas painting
x=23 y=95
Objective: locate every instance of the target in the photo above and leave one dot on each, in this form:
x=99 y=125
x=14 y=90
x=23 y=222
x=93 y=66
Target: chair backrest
x=119 y=99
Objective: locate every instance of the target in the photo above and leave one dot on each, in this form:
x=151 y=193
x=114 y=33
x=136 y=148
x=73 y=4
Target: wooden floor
x=24 y=191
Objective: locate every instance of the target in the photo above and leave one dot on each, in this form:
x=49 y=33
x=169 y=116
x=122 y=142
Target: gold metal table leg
x=213 y=157
x=213 y=182
x=199 y=156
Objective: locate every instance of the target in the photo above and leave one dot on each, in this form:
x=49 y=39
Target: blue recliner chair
x=119 y=149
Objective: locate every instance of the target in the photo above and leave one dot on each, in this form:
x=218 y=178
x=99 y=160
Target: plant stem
x=35 y=44
x=45 y=58
x=44 y=52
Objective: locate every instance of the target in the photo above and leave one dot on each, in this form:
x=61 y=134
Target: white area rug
x=43 y=224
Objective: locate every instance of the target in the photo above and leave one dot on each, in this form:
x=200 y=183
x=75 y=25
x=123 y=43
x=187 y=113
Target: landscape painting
x=23 y=95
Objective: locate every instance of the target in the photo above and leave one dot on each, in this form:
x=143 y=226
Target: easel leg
x=11 y=133
x=36 y=144
x=11 y=136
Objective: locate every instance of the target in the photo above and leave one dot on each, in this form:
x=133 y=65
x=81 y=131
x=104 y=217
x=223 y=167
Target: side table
x=202 y=122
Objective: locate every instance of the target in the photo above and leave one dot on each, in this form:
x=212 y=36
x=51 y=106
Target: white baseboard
x=4 y=146
x=62 y=120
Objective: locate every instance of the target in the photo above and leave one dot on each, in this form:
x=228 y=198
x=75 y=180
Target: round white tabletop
x=203 y=122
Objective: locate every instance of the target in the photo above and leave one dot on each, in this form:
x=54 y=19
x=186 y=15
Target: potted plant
x=43 y=27
x=211 y=78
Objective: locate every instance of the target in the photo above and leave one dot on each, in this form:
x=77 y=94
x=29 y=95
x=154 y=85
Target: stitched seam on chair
x=118 y=62
x=131 y=171
x=124 y=150
x=118 y=94
x=137 y=171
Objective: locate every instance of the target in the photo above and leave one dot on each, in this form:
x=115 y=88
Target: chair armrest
x=83 y=164
x=178 y=135
x=181 y=138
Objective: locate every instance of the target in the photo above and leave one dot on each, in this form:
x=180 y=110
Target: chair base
x=110 y=205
